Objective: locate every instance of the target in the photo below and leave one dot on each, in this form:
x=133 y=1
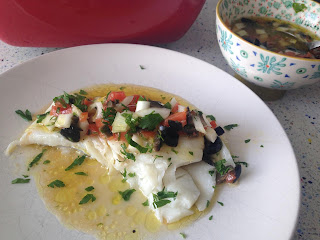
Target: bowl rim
x=296 y=58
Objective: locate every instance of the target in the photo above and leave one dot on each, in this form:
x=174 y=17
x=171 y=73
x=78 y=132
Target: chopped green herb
x=109 y=115
x=172 y=149
x=167 y=105
x=108 y=95
x=75 y=99
x=87 y=198
x=211 y=172
x=132 y=174
x=132 y=122
x=221 y=203
x=247 y=140
x=142 y=67
x=81 y=173
x=212 y=118
x=208 y=204
x=230 y=126
x=56 y=183
x=162 y=97
x=243 y=163
x=170 y=164
x=25 y=115
x=136 y=145
x=89 y=189
x=220 y=167
x=46 y=162
x=25 y=176
x=299 y=7
x=122 y=88
x=150 y=121
x=169 y=159
x=40 y=117
x=233 y=156
x=124 y=175
x=58 y=110
x=127 y=194
x=146 y=203
x=99 y=224
x=127 y=154
x=191 y=153
x=83 y=92
x=77 y=162
x=213 y=187
x=160 y=199
x=142 y=98
x=37 y=158
x=20 y=180
x=261 y=146
x=157 y=156
x=183 y=235
x=210 y=218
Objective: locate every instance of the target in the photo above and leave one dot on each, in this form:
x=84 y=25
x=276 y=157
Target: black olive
x=74 y=120
x=237 y=171
x=157 y=142
x=207 y=158
x=156 y=104
x=189 y=128
x=212 y=148
x=175 y=125
x=170 y=136
x=248 y=39
x=106 y=130
x=219 y=130
x=72 y=133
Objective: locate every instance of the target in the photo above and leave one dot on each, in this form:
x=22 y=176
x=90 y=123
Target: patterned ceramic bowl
x=260 y=66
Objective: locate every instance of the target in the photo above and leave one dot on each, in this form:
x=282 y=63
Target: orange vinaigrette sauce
x=109 y=216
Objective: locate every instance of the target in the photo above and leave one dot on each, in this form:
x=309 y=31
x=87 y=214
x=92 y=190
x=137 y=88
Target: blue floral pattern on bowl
x=261 y=66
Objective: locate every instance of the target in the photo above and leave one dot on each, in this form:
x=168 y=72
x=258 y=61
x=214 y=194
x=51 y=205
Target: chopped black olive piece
x=72 y=133
x=257 y=42
x=175 y=125
x=219 y=130
x=106 y=130
x=157 y=142
x=170 y=136
x=156 y=104
x=237 y=171
x=212 y=148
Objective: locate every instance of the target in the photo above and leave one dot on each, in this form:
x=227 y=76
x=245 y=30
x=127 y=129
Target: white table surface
x=298 y=111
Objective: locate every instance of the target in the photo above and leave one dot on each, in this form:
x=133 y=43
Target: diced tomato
x=87 y=101
x=175 y=108
x=132 y=105
x=148 y=134
x=179 y=117
x=116 y=96
x=83 y=116
x=59 y=109
x=99 y=122
x=213 y=124
x=117 y=138
x=93 y=129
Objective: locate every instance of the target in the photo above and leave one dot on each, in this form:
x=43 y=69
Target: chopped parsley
x=299 y=7
x=183 y=235
x=20 y=180
x=169 y=159
x=83 y=92
x=75 y=99
x=81 y=173
x=87 y=198
x=212 y=118
x=77 y=162
x=132 y=122
x=132 y=174
x=25 y=176
x=167 y=105
x=170 y=164
x=221 y=203
x=89 y=189
x=172 y=149
x=261 y=146
x=233 y=156
x=210 y=218
x=135 y=144
x=122 y=88
x=150 y=121
x=161 y=198
x=243 y=163
x=124 y=175
x=213 y=187
x=142 y=98
x=56 y=183
x=191 y=153
x=162 y=97
x=157 y=156
x=36 y=159
x=25 y=115
x=46 y=162
x=109 y=115
x=230 y=126
x=146 y=203
x=220 y=167
x=142 y=67
x=127 y=194
x=211 y=172
x=40 y=117
x=127 y=154
x=247 y=140
x=208 y=204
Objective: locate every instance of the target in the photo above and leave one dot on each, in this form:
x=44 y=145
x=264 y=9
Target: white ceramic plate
x=263 y=206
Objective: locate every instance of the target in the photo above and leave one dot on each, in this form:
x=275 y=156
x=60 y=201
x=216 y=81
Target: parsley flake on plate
x=25 y=115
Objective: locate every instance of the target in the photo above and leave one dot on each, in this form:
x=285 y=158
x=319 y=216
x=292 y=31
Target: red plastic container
x=65 y=23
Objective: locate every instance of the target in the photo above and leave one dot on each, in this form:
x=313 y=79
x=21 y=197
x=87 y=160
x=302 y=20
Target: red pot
x=65 y=23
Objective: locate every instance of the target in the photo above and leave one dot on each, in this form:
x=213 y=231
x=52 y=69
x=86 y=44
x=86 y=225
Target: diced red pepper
x=148 y=134
x=213 y=124
x=93 y=129
x=83 y=116
x=116 y=96
x=87 y=101
x=59 y=109
x=179 y=117
x=175 y=108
